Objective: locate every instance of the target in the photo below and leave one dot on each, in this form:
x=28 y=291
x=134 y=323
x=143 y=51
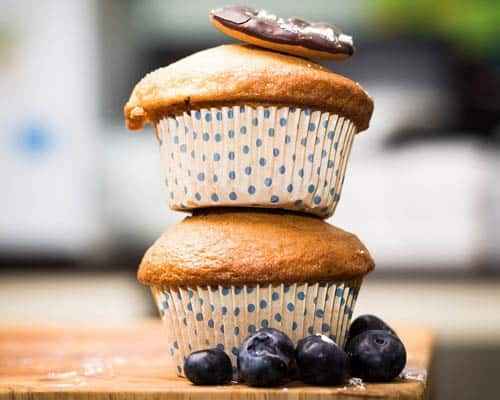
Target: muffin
x=242 y=126
x=220 y=275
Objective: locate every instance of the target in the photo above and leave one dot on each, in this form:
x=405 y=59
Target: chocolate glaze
x=318 y=36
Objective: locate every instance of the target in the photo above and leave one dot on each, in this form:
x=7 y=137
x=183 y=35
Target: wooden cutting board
x=130 y=362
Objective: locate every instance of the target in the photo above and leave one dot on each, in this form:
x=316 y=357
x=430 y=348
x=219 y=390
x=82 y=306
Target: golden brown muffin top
x=226 y=247
x=244 y=74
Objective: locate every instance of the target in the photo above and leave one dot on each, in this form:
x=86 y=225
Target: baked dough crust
x=228 y=247
x=243 y=74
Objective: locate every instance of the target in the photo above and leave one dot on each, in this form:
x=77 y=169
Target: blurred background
x=81 y=198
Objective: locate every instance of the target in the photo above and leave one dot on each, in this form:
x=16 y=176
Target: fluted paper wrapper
x=241 y=156
x=207 y=317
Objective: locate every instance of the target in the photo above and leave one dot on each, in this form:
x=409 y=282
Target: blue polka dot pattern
x=223 y=314
x=291 y=149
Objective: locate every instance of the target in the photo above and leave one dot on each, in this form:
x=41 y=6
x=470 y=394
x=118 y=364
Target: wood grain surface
x=130 y=362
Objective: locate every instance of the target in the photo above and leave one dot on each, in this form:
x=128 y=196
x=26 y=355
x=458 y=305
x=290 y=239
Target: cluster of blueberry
x=267 y=358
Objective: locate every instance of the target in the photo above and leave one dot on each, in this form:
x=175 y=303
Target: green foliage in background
x=473 y=25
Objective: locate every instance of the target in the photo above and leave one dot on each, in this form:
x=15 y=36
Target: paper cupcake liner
x=243 y=156
x=207 y=317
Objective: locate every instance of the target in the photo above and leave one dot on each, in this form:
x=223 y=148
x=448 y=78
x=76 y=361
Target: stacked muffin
x=254 y=143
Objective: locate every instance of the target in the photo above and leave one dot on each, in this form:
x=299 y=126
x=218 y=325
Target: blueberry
x=208 y=367
x=376 y=356
x=367 y=323
x=321 y=361
x=266 y=358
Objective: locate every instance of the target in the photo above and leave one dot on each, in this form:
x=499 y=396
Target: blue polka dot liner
x=243 y=156
x=201 y=317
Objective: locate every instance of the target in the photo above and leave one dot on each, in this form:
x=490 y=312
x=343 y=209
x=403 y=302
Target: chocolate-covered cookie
x=293 y=36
